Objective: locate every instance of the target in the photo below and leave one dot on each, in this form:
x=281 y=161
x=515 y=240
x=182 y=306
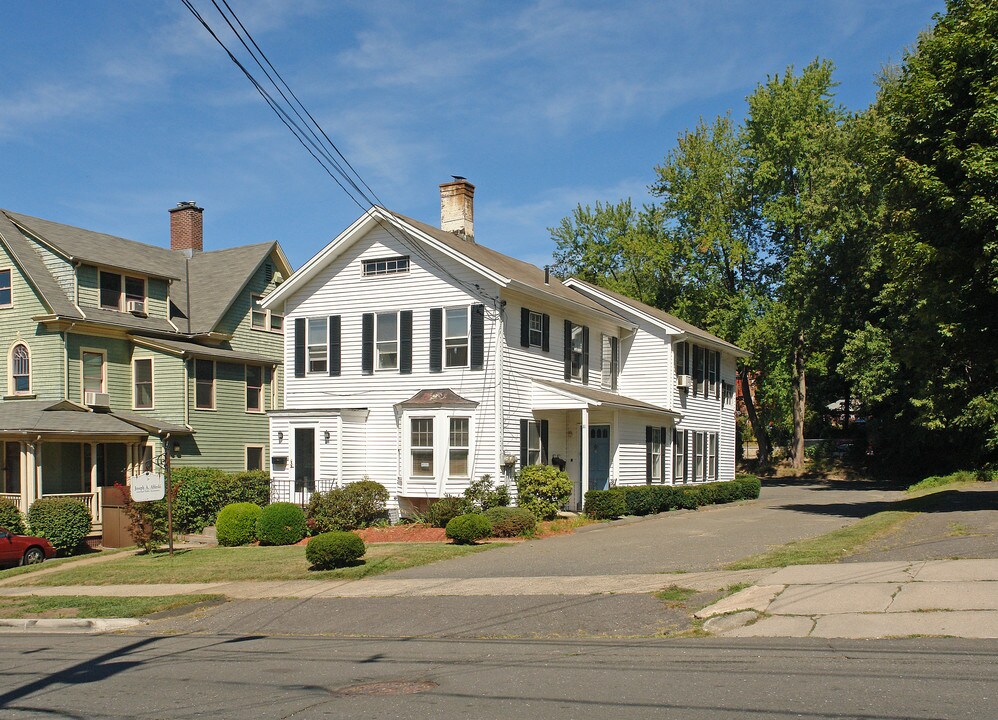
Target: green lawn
x=72 y=606
x=205 y=565
x=55 y=562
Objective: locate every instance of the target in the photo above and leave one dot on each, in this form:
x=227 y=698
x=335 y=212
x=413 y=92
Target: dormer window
x=115 y=288
x=386 y=266
x=135 y=294
x=110 y=290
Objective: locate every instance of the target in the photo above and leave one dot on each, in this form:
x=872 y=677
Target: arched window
x=20 y=370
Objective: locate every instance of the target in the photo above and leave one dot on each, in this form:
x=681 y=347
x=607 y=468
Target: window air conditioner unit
x=136 y=306
x=97 y=400
x=684 y=381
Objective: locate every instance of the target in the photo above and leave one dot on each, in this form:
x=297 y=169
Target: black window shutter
x=568 y=349
x=436 y=339
x=614 y=361
x=524 y=424
x=543 y=428
x=334 y=344
x=405 y=342
x=300 y=347
x=545 y=332
x=690 y=448
x=648 y=442
x=585 y=354
x=367 y=344
x=697 y=368
x=717 y=375
x=524 y=327
x=477 y=337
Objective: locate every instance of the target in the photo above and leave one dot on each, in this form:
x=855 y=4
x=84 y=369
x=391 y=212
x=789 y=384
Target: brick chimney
x=186 y=228
x=457 y=208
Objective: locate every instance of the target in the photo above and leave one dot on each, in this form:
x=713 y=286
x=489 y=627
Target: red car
x=23 y=549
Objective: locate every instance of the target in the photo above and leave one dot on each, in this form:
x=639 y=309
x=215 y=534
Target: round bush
x=605 y=504
x=511 y=522
x=447 y=508
x=466 y=529
x=236 y=524
x=63 y=521
x=543 y=490
x=281 y=523
x=334 y=549
x=10 y=517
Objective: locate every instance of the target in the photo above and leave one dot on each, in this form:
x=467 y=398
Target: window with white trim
x=459 y=446
x=656 y=455
x=6 y=289
x=456 y=337
x=254 y=457
x=387 y=341
x=142 y=390
x=421 y=447
x=678 y=456
x=204 y=384
x=712 y=358
x=698 y=456
x=135 y=291
x=386 y=266
x=20 y=370
x=93 y=372
x=254 y=388
x=536 y=329
x=577 y=351
x=535 y=450
x=318 y=345
x=712 y=457
x=264 y=318
x=682 y=352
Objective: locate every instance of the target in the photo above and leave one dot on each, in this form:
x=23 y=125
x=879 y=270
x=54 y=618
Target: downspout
x=499 y=379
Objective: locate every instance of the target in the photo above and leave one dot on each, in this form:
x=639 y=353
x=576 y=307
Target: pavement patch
x=757 y=597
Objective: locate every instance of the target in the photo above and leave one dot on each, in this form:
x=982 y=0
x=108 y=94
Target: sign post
x=167 y=450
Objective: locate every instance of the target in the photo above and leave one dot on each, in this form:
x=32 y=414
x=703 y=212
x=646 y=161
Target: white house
x=421 y=359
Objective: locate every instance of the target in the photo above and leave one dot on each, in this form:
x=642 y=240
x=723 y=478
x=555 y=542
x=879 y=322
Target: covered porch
x=61 y=449
x=600 y=438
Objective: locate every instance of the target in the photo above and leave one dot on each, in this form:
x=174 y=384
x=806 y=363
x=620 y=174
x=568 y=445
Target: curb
x=67 y=625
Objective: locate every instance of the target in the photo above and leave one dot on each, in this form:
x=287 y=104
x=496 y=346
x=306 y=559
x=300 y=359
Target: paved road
x=240 y=676
x=679 y=541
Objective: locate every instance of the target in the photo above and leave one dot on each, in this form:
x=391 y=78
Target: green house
x=115 y=352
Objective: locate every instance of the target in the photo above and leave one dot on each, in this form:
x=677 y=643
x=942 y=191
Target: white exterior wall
x=375 y=448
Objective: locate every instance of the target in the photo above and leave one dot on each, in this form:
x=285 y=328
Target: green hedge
x=447 y=508
x=11 y=518
x=203 y=491
x=511 y=521
x=334 y=549
x=650 y=499
x=63 y=521
x=236 y=524
x=353 y=506
x=281 y=523
x=466 y=529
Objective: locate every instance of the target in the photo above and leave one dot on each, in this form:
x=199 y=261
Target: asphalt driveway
x=705 y=539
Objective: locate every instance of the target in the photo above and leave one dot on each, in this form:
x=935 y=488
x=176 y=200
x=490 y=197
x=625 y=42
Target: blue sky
x=115 y=110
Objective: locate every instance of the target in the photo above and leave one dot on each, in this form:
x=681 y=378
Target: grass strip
x=830 y=547
x=961 y=477
x=82 y=606
x=56 y=562
x=221 y=564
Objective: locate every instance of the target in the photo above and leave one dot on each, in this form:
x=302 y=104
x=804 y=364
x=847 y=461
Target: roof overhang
x=548 y=395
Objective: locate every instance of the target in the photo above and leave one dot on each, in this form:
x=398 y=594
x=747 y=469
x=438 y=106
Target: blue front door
x=599 y=457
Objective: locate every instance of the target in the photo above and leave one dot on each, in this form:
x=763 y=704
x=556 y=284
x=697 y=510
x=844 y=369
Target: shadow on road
x=945 y=501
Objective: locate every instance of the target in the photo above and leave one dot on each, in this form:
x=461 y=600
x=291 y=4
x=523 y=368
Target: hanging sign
x=147 y=487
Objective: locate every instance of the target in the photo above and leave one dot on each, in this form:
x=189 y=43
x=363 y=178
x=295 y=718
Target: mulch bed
x=402 y=533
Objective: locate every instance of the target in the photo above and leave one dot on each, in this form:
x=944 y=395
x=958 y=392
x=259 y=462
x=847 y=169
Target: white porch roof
x=551 y=395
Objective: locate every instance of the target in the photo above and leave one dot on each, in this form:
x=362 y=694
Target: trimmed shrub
x=447 y=508
x=246 y=486
x=367 y=501
x=236 y=524
x=353 y=506
x=63 y=521
x=334 y=549
x=543 y=490
x=511 y=522
x=282 y=523
x=749 y=487
x=605 y=504
x=198 y=498
x=484 y=494
x=11 y=518
x=466 y=529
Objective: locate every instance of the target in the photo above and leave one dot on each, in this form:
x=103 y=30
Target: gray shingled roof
x=509 y=267
x=217 y=277
x=37 y=274
x=102 y=249
x=604 y=397
x=659 y=315
x=191 y=349
x=48 y=417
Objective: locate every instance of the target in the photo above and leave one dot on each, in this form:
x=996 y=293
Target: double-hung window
x=656 y=454
x=459 y=445
x=536 y=329
x=713 y=367
x=318 y=348
x=110 y=290
x=204 y=384
x=712 y=456
x=254 y=457
x=254 y=388
x=421 y=447
x=678 y=456
x=682 y=361
x=535 y=449
x=135 y=292
x=577 y=351
x=387 y=341
x=93 y=372
x=142 y=398
x=456 y=334
x=6 y=290
x=699 y=465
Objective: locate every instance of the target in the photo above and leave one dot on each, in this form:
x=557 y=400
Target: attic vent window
x=268 y=271
x=386 y=266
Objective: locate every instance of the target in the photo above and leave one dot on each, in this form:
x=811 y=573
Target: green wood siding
x=168 y=376
x=237 y=321
x=156 y=294
x=118 y=368
x=89 y=289
x=46 y=348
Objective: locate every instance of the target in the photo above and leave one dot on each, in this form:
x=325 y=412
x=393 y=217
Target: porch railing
x=14 y=498
x=91 y=500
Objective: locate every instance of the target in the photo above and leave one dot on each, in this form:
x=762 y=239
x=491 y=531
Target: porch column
x=26 y=479
x=584 y=465
x=31 y=481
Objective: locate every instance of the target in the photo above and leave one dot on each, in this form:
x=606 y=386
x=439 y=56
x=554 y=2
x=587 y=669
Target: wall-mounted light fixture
x=280 y=436
x=176 y=449
x=325 y=437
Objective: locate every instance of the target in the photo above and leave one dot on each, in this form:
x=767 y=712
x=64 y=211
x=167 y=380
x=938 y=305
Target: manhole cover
x=389 y=687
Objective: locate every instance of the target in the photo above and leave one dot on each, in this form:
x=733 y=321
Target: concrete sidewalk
x=853 y=600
